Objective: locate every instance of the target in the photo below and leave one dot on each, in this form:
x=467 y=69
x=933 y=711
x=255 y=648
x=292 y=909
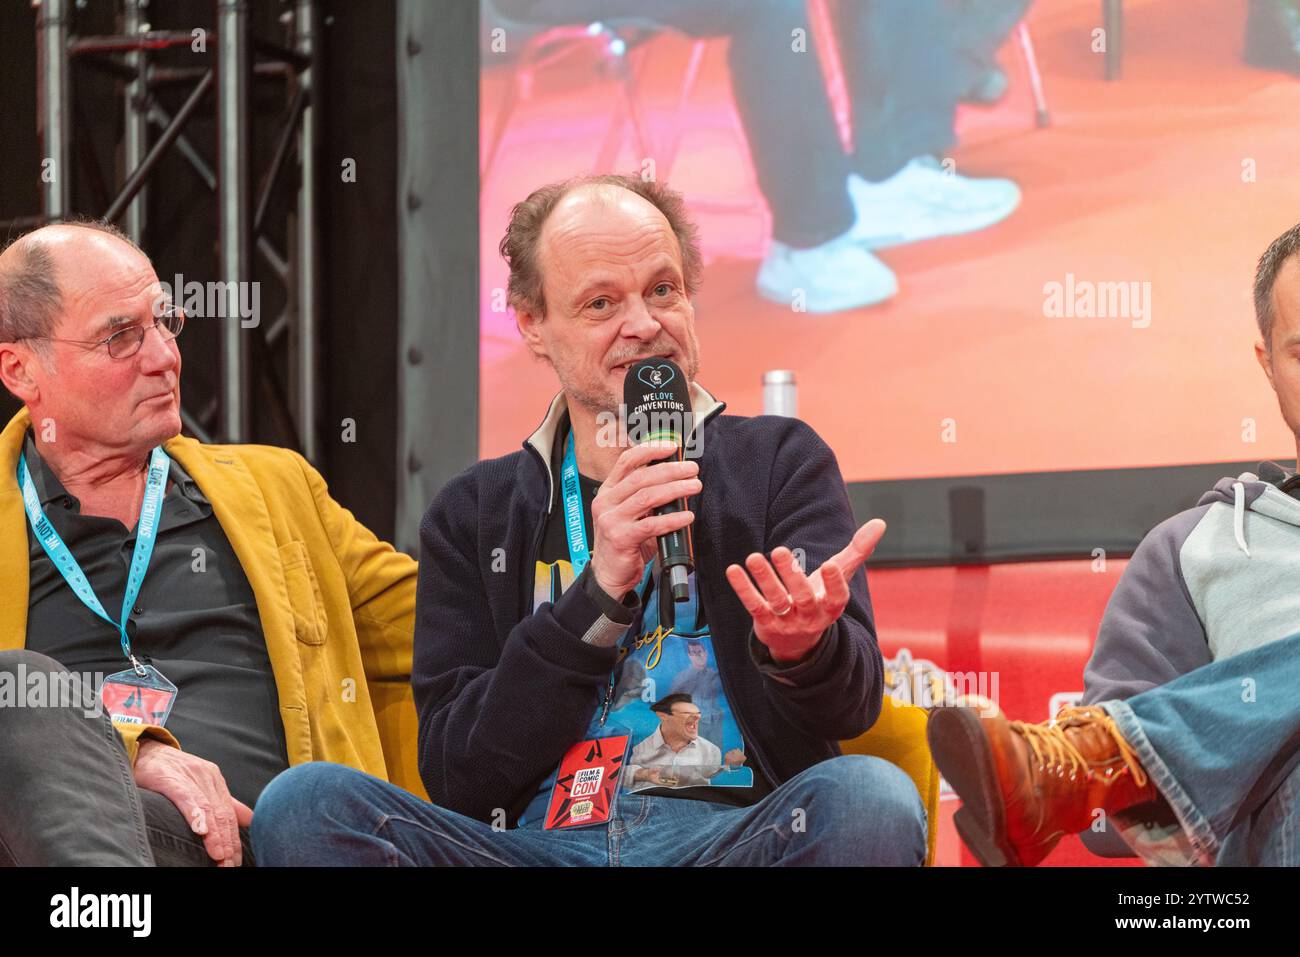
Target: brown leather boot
x=1025 y=786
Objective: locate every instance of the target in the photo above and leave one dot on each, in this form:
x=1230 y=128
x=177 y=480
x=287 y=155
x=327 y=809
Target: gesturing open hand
x=791 y=610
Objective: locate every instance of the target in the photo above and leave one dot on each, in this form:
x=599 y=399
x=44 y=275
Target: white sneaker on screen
x=832 y=277
x=923 y=201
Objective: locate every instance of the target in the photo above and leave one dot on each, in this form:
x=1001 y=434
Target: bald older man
x=180 y=622
x=541 y=644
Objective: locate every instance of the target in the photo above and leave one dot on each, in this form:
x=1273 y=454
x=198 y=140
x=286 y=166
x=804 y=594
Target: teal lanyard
x=579 y=552
x=575 y=526
x=146 y=533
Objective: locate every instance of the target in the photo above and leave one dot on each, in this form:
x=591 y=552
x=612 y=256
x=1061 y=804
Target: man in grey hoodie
x=1188 y=739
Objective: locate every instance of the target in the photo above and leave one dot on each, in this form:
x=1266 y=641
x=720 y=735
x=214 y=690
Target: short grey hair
x=1275 y=257
x=30 y=298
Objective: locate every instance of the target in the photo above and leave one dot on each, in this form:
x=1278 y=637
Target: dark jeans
x=848 y=811
x=902 y=66
x=67 y=794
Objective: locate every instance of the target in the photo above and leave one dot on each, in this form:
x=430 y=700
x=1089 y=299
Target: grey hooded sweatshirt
x=1211 y=582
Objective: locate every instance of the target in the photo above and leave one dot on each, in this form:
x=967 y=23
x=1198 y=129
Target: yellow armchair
x=399 y=733
x=898 y=737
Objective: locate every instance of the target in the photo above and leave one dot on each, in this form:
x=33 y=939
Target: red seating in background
x=1019 y=633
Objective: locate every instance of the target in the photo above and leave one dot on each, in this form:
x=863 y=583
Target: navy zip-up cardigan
x=502 y=693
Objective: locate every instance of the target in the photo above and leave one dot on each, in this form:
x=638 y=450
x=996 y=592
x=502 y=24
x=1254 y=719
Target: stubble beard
x=599 y=400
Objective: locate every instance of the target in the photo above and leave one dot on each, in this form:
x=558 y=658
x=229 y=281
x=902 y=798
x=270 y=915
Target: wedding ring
x=783 y=611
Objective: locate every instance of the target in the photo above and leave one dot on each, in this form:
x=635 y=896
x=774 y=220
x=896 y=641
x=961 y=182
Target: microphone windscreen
x=657 y=401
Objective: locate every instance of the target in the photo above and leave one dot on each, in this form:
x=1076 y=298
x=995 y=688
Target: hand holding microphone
x=623 y=513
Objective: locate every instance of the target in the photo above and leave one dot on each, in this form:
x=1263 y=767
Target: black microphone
x=657 y=407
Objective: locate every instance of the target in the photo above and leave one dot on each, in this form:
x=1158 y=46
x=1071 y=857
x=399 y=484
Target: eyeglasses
x=126 y=342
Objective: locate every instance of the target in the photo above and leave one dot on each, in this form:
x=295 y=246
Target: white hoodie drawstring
x=1239 y=516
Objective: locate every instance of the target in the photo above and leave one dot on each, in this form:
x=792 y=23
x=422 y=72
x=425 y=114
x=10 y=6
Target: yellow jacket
x=337 y=604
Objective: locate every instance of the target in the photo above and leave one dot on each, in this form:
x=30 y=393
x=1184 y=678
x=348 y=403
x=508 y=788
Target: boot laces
x=1052 y=747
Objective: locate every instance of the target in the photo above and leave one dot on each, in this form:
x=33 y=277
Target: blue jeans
x=850 y=810
x=1222 y=744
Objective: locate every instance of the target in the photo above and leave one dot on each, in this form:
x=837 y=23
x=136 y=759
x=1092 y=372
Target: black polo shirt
x=195 y=620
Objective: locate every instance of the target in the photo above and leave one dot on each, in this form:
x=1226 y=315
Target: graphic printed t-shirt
x=692 y=747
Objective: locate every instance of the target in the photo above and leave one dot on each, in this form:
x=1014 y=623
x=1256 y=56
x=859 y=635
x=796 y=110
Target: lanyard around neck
x=61 y=556
x=575 y=526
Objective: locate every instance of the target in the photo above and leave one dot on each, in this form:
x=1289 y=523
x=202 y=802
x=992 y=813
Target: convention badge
x=586 y=782
x=140 y=696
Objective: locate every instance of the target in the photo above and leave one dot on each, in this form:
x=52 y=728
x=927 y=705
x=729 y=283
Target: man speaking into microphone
x=551 y=645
